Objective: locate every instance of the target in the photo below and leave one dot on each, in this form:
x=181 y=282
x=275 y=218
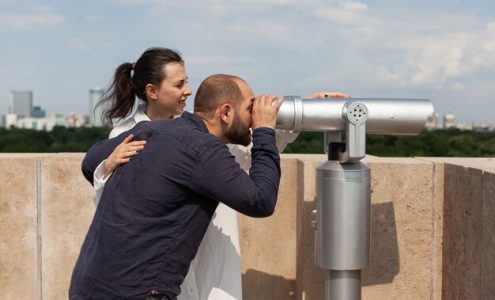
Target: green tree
x=452 y=142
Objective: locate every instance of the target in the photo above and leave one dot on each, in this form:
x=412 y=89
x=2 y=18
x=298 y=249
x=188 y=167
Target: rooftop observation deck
x=433 y=229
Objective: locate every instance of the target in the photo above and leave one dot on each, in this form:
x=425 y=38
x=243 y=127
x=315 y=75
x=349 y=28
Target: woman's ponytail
x=119 y=98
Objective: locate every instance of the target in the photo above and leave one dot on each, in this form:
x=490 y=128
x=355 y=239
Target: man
x=155 y=209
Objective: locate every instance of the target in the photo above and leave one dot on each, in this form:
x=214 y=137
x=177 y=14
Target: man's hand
x=265 y=108
x=322 y=95
x=122 y=154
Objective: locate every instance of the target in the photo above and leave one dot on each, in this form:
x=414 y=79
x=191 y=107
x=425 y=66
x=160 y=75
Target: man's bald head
x=216 y=90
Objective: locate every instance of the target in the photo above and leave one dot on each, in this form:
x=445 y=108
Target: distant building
x=46 y=123
x=31 y=123
x=465 y=126
x=448 y=121
x=483 y=127
x=73 y=120
x=21 y=103
x=38 y=112
x=95 y=112
x=433 y=122
x=10 y=120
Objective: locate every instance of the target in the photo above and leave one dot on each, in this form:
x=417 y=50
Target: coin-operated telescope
x=343 y=186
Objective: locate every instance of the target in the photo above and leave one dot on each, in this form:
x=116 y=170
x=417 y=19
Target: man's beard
x=236 y=134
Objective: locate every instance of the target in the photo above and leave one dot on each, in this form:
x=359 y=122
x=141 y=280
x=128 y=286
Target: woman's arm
x=120 y=155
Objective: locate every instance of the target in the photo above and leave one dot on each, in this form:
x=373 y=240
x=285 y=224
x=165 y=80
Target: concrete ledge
x=433 y=229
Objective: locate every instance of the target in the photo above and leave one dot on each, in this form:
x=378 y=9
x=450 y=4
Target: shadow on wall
x=463 y=239
x=257 y=285
x=384 y=263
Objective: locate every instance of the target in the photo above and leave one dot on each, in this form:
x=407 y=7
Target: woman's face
x=170 y=96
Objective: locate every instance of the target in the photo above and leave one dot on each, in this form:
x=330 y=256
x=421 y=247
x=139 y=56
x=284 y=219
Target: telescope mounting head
x=354 y=114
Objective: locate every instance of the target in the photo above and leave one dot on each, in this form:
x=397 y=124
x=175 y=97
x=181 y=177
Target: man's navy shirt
x=155 y=210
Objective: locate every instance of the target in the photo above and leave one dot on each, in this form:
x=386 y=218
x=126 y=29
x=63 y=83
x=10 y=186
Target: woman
x=159 y=80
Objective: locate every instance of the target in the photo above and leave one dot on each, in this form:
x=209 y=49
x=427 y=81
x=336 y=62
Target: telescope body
x=392 y=116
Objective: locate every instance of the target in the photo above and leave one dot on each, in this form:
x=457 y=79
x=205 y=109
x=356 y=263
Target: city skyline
x=24 y=114
x=379 y=48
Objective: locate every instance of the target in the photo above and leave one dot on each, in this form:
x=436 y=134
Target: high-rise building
x=38 y=112
x=21 y=103
x=95 y=112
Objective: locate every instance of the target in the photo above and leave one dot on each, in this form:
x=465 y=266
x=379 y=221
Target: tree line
x=60 y=139
x=446 y=143
x=452 y=142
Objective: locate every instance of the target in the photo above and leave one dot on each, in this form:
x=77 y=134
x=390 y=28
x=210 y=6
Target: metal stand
x=343 y=190
x=343 y=209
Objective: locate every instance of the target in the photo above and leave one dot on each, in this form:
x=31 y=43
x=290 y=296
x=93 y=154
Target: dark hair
x=119 y=98
x=214 y=90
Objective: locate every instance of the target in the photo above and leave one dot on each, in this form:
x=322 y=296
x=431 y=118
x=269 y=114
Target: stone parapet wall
x=433 y=229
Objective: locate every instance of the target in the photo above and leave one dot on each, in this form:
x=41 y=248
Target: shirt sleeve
x=217 y=176
x=99 y=181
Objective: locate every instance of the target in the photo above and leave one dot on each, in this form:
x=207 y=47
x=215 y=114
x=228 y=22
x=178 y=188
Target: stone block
x=438 y=206
x=462 y=230
x=488 y=237
x=268 y=245
x=310 y=278
x=402 y=230
x=19 y=265
x=66 y=212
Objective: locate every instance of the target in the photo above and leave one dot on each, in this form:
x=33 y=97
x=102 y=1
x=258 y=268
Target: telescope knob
x=313 y=223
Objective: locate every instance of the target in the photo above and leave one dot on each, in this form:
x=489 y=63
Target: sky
x=443 y=50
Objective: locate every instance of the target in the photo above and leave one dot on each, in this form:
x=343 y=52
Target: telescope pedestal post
x=343 y=284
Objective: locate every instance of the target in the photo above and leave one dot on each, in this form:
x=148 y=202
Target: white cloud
x=94 y=18
x=29 y=17
x=91 y=44
x=208 y=2
x=439 y=56
x=215 y=61
x=264 y=29
x=458 y=87
x=341 y=11
x=29 y=21
x=393 y=45
x=404 y=51
x=6 y=2
x=354 y=6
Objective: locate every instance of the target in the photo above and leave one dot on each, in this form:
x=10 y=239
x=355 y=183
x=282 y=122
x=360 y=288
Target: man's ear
x=226 y=112
x=151 y=91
